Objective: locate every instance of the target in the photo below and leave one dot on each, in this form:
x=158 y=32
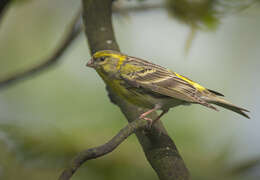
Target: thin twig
x=243 y=167
x=104 y=149
x=73 y=30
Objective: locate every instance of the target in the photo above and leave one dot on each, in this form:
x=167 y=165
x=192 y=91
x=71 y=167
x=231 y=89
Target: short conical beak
x=90 y=63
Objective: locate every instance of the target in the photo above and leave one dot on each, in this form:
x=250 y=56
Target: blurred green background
x=49 y=118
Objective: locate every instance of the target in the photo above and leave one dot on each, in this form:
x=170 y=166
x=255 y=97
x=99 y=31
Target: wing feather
x=160 y=80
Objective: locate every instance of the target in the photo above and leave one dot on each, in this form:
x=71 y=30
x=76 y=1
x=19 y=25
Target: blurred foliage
x=232 y=6
x=198 y=13
x=204 y=14
x=247 y=168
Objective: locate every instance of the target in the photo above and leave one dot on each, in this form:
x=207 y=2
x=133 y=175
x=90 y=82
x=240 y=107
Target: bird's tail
x=225 y=104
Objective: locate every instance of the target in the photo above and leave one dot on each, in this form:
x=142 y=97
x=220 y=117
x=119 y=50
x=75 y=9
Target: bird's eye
x=102 y=59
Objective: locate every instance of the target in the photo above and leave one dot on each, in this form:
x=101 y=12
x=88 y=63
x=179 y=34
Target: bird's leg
x=143 y=116
x=159 y=117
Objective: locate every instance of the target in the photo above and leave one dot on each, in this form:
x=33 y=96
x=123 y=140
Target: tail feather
x=225 y=104
x=215 y=92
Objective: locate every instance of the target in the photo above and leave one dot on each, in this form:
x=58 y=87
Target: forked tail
x=225 y=104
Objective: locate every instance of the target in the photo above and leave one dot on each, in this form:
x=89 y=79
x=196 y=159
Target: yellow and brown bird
x=151 y=86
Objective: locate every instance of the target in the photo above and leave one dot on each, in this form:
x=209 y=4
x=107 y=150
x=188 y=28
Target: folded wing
x=143 y=74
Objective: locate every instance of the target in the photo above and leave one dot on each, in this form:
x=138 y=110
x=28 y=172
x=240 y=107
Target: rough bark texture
x=158 y=147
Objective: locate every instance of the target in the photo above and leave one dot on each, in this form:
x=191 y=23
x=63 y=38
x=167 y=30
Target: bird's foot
x=149 y=120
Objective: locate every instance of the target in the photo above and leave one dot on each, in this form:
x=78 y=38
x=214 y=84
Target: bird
x=152 y=86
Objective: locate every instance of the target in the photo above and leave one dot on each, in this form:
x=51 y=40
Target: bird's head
x=107 y=60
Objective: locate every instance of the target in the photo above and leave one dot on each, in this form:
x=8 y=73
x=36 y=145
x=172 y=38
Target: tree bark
x=158 y=147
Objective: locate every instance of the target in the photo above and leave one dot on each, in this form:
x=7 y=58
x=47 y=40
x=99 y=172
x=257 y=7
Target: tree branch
x=102 y=150
x=72 y=32
x=158 y=147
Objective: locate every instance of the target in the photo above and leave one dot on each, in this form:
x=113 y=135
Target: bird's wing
x=142 y=74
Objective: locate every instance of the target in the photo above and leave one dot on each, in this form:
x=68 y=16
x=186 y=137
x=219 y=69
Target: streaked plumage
x=151 y=86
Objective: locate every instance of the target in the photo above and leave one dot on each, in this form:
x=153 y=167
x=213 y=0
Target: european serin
x=151 y=86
